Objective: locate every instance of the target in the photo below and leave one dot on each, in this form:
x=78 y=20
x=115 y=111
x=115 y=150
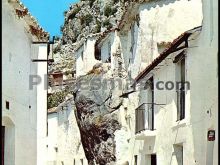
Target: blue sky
x=49 y=13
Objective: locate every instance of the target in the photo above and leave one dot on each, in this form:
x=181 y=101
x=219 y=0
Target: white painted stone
x=25 y=121
x=63 y=133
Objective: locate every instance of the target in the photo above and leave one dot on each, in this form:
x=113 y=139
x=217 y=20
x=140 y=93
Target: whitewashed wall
x=68 y=137
x=201 y=104
x=85 y=64
x=105 y=47
x=203 y=75
x=52 y=138
x=160 y=21
x=21 y=120
x=42 y=106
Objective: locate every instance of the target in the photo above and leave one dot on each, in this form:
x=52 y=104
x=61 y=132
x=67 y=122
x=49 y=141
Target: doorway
x=153 y=159
x=3 y=143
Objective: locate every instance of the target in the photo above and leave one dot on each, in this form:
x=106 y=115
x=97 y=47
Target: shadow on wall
x=159 y=3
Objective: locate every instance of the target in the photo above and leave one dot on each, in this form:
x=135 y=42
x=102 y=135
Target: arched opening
x=8 y=141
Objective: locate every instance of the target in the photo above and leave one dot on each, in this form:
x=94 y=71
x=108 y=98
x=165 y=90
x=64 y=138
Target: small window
x=181 y=89
x=82 y=55
x=97 y=53
x=109 y=49
x=132 y=43
x=135 y=160
x=7 y=104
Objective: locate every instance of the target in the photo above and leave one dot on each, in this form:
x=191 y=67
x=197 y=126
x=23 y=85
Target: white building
x=52 y=137
x=64 y=142
x=24 y=101
x=85 y=55
x=171 y=125
x=159 y=43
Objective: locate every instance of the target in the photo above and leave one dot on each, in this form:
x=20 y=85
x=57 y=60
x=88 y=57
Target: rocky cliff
x=90 y=16
x=96 y=102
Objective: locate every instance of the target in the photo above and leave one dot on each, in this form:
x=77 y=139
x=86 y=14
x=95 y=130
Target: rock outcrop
x=95 y=107
x=89 y=17
x=97 y=103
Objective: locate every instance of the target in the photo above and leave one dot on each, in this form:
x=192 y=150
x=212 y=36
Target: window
x=82 y=55
x=7 y=105
x=144 y=114
x=153 y=159
x=97 y=52
x=132 y=42
x=47 y=128
x=135 y=160
x=127 y=117
x=150 y=103
x=180 y=78
x=109 y=49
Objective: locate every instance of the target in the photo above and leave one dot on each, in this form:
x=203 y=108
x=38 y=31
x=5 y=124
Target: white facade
x=85 y=56
x=64 y=135
x=52 y=138
x=137 y=44
x=184 y=141
x=160 y=22
x=23 y=109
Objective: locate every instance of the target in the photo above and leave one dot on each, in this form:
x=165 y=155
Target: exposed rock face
x=95 y=107
x=90 y=16
x=63 y=58
x=96 y=119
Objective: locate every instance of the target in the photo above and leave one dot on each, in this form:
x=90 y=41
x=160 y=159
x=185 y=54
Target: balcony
x=144 y=121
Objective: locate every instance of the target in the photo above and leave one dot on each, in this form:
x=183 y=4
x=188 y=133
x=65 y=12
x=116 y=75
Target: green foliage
x=114 y=10
x=61 y=28
x=86 y=19
x=73 y=14
x=91 y=2
x=108 y=11
x=56 y=98
x=107 y=24
x=115 y=1
x=98 y=26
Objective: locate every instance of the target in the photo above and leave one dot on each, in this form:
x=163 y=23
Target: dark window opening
x=132 y=44
x=82 y=55
x=153 y=159
x=7 y=104
x=135 y=160
x=109 y=52
x=181 y=90
x=47 y=128
x=97 y=53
